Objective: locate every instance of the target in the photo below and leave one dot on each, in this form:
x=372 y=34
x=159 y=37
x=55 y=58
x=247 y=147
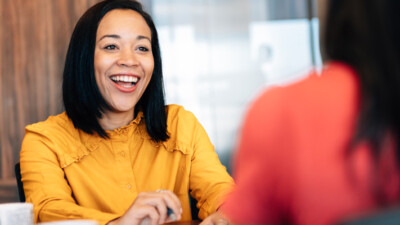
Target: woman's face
x=123 y=59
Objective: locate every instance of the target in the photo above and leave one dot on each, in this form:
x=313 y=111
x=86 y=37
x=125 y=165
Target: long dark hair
x=365 y=35
x=83 y=102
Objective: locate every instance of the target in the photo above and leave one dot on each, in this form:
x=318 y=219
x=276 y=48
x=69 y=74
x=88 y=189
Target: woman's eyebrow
x=139 y=37
x=110 y=36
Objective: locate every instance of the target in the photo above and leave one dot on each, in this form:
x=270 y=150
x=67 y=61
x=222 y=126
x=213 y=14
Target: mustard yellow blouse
x=68 y=174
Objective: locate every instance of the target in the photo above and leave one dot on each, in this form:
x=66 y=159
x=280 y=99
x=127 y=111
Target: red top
x=291 y=164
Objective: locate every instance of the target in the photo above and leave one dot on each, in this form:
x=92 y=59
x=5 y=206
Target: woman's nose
x=127 y=58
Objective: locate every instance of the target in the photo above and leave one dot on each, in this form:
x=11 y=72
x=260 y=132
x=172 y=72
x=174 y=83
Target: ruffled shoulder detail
x=77 y=153
x=69 y=144
x=172 y=145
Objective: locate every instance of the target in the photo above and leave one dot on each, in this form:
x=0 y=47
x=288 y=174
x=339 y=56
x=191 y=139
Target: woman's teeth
x=125 y=81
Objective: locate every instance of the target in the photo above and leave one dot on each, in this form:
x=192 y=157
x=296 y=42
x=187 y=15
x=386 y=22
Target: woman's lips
x=125 y=83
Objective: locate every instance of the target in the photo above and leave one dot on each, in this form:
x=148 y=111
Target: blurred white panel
x=282 y=47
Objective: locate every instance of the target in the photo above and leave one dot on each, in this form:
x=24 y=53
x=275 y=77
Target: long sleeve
x=45 y=184
x=209 y=181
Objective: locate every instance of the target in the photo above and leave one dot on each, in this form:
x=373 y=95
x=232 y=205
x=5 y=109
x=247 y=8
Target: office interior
x=218 y=55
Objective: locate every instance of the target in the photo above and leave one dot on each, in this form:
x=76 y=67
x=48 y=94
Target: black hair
x=83 y=101
x=365 y=35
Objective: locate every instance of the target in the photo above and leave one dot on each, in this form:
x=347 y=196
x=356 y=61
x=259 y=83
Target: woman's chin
x=121 y=109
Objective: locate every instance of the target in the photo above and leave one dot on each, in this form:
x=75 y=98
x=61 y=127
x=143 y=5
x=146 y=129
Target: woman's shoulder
x=335 y=80
x=53 y=128
x=57 y=123
x=182 y=125
x=178 y=111
x=60 y=136
x=178 y=116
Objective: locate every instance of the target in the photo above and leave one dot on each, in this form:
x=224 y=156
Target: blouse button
x=128 y=186
x=123 y=154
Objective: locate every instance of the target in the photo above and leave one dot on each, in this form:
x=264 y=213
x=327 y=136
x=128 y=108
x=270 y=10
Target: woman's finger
x=173 y=203
x=215 y=219
x=174 y=197
x=161 y=207
x=164 y=202
x=148 y=215
x=158 y=207
x=221 y=221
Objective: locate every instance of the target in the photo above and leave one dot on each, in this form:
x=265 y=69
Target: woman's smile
x=125 y=82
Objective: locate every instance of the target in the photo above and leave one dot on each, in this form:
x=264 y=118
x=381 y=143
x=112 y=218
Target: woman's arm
x=209 y=180
x=46 y=187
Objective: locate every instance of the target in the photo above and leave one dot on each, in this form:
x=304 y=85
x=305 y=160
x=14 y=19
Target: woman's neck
x=114 y=120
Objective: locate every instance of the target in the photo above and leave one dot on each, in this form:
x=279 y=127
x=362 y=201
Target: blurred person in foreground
x=119 y=155
x=326 y=149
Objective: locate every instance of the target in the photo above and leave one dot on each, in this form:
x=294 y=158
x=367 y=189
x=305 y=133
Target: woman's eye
x=143 y=49
x=110 y=47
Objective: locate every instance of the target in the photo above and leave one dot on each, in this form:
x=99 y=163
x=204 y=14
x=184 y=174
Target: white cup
x=71 y=222
x=16 y=213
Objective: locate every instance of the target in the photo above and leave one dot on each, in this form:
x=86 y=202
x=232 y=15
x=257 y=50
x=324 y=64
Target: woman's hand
x=215 y=219
x=151 y=208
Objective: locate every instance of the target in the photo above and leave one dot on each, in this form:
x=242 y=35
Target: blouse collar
x=136 y=125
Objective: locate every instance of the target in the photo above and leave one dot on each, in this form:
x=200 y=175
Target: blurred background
x=217 y=57
x=219 y=54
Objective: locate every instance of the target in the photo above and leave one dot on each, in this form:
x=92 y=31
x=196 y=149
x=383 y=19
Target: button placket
x=121 y=151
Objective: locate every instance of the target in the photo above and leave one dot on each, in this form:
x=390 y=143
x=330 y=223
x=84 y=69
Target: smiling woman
x=119 y=155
